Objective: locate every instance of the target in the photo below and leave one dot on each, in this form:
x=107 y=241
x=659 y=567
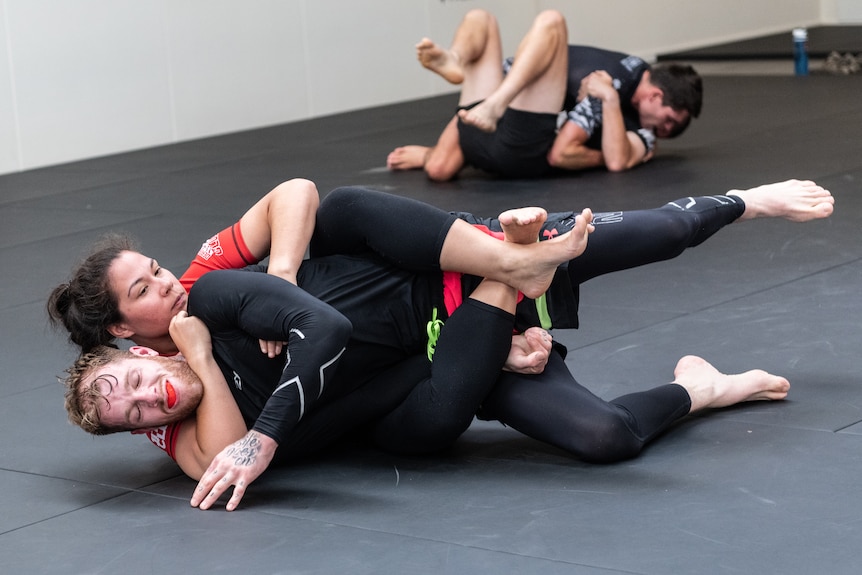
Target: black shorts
x=517 y=149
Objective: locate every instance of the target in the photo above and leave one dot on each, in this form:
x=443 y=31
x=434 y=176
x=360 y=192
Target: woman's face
x=148 y=295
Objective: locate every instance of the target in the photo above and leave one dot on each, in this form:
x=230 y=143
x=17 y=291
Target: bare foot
x=440 y=61
x=532 y=266
x=407 y=158
x=794 y=200
x=522 y=225
x=484 y=116
x=709 y=388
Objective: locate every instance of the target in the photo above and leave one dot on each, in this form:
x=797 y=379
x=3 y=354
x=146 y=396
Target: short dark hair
x=682 y=87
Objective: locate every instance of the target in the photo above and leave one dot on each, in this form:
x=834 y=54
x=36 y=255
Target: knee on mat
x=607 y=441
x=445 y=431
x=430 y=437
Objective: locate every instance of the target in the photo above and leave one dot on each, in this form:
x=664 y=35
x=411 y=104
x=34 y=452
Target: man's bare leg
x=475 y=61
x=794 y=200
x=441 y=162
x=708 y=388
x=411 y=157
x=537 y=80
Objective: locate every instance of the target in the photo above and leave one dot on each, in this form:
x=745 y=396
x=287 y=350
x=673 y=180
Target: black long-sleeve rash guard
x=241 y=307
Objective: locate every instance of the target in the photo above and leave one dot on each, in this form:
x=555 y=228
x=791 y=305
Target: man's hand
x=598 y=84
x=238 y=464
x=529 y=352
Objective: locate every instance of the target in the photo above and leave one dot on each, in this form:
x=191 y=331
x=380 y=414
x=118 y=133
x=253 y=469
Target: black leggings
x=553 y=407
x=442 y=405
x=405 y=232
x=625 y=240
x=621 y=241
x=560 y=411
x=417 y=406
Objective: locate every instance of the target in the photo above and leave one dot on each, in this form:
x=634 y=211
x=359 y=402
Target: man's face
x=663 y=120
x=148 y=295
x=145 y=392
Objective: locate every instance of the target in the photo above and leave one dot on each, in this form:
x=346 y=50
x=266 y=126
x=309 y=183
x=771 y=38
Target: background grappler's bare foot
x=407 y=158
x=483 y=116
x=440 y=61
x=708 y=388
x=794 y=200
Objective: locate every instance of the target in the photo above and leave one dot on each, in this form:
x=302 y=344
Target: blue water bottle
x=800 y=51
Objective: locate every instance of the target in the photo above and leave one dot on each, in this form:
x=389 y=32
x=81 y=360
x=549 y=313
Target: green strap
x=542 y=310
x=433 y=327
x=433 y=330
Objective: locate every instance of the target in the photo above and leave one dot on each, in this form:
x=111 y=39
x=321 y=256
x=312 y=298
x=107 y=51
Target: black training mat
x=758 y=488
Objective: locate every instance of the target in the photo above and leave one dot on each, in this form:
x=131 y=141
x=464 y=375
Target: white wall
x=649 y=28
x=83 y=78
x=841 y=11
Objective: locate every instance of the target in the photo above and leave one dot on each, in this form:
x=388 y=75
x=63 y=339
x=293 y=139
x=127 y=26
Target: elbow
x=616 y=165
x=325 y=321
x=439 y=171
x=346 y=330
x=555 y=158
x=436 y=175
x=341 y=329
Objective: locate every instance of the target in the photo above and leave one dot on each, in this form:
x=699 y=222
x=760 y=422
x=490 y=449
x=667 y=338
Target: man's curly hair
x=83 y=398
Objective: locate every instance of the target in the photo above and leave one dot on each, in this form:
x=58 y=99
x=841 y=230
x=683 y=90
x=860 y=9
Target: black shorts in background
x=517 y=149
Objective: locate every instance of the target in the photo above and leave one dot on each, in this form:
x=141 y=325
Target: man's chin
x=188 y=389
x=185 y=408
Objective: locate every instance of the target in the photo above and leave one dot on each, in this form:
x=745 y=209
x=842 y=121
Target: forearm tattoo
x=246 y=450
